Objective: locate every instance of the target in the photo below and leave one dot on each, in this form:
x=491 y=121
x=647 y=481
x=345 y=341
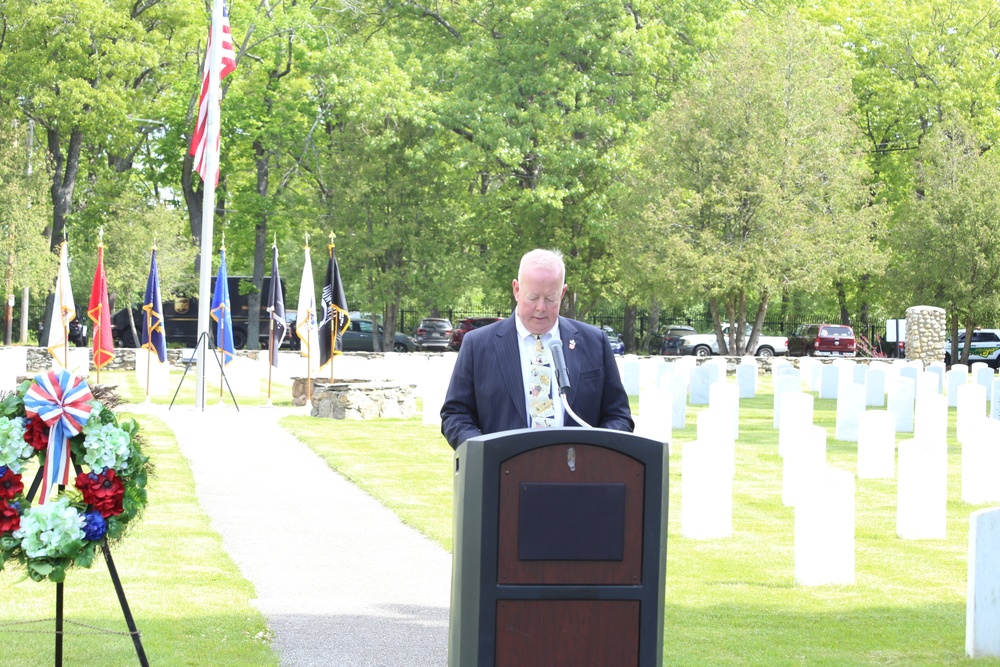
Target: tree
x=23 y=214
x=948 y=256
x=758 y=180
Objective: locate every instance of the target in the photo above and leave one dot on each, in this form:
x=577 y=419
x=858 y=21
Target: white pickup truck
x=704 y=345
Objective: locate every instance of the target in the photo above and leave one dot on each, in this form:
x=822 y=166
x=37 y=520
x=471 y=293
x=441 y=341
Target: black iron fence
x=873 y=334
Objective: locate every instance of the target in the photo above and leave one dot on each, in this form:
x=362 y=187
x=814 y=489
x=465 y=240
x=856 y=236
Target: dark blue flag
x=154 y=336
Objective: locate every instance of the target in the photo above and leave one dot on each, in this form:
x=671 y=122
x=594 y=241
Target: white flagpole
x=208 y=205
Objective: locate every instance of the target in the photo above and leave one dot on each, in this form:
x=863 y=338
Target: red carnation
x=9 y=518
x=103 y=491
x=36 y=434
x=10 y=484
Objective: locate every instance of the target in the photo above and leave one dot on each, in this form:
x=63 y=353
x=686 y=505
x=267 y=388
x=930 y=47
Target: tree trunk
x=628 y=328
x=970 y=323
x=713 y=306
x=65 y=170
x=652 y=339
x=758 y=321
x=845 y=314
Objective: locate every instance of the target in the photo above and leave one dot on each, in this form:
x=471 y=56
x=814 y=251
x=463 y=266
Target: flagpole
x=270 y=358
x=97 y=325
x=149 y=350
x=333 y=326
x=208 y=203
x=62 y=312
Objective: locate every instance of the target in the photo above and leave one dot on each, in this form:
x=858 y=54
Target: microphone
x=559 y=363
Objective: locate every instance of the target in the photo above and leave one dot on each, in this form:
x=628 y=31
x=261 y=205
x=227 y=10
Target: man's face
x=538 y=295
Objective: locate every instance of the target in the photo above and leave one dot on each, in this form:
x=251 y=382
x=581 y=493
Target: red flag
x=226 y=64
x=100 y=314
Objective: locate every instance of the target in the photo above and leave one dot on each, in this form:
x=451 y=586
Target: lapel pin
x=572 y=344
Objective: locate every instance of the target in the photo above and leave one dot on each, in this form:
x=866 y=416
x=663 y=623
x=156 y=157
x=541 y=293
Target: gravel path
x=347 y=585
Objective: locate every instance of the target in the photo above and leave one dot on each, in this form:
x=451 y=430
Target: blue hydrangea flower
x=94 y=525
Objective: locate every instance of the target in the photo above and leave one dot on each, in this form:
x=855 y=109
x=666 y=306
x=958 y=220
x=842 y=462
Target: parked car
x=433 y=333
x=704 y=345
x=822 y=340
x=467 y=325
x=358 y=338
x=672 y=335
x=617 y=344
x=985 y=346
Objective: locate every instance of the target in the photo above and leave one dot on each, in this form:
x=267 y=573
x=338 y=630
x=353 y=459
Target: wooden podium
x=560 y=548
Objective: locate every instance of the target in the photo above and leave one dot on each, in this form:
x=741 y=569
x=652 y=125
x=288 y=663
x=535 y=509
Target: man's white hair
x=547 y=259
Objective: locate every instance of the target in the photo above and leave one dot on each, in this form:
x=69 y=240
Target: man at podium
x=505 y=376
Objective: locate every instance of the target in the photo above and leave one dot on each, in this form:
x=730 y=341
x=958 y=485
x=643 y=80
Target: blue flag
x=154 y=336
x=222 y=312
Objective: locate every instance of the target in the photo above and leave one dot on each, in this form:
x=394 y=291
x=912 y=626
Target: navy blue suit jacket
x=487 y=391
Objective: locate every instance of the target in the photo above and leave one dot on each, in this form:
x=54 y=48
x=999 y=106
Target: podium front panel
x=581 y=633
x=592 y=476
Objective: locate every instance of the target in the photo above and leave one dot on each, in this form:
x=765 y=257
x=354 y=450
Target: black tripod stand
x=187 y=366
x=115 y=580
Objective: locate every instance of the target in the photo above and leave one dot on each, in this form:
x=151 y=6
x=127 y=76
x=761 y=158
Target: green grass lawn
x=730 y=601
x=190 y=602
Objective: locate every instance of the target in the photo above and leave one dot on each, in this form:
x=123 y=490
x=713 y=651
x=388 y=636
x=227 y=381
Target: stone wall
x=40 y=360
x=356 y=399
x=926 y=330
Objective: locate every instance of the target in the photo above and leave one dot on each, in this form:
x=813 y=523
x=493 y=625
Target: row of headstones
x=824 y=497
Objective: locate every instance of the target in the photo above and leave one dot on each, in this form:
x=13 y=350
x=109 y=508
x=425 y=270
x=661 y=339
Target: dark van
x=180 y=318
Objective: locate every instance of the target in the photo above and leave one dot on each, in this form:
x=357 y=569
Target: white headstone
x=981 y=463
x=971 y=407
x=796 y=415
x=807 y=368
x=921 y=492
x=713 y=428
x=803 y=458
x=910 y=372
x=13 y=363
x=877 y=445
x=931 y=420
x=984 y=376
x=434 y=392
x=706 y=491
x=955 y=378
x=630 y=374
x=850 y=405
x=746 y=379
x=982 y=610
x=829 y=380
x=937 y=368
x=860 y=373
x=782 y=385
x=677 y=386
x=824 y=529
x=159 y=373
x=655 y=414
x=724 y=400
x=901 y=403
x=995 y=400
x=78 y=361
x=702 y=378
x=875 y=387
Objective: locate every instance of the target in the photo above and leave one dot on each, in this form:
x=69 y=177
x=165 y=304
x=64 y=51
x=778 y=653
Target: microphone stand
x=562 y=379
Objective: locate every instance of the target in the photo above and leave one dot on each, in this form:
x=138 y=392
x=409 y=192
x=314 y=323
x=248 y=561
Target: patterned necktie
x=541 y=410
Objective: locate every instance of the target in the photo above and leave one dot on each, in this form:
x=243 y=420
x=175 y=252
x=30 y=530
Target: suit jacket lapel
x=509 y=358
x=569 y=332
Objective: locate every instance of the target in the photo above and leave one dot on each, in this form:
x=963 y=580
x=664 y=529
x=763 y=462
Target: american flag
x=226 y=64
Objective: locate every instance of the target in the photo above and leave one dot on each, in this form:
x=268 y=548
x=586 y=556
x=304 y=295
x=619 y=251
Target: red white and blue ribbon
x=60 y=399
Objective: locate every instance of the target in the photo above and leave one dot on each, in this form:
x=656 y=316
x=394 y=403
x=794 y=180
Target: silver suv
x=433 y=333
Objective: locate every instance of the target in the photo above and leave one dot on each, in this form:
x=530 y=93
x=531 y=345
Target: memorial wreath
x=56 y=420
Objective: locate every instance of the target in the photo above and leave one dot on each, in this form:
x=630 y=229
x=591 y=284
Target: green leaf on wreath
x=40 y=567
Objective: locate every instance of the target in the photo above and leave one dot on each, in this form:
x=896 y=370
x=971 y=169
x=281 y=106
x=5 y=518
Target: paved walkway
x=348 y=585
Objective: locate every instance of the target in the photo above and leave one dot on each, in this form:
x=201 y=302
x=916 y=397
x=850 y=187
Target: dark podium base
x=559 y=550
